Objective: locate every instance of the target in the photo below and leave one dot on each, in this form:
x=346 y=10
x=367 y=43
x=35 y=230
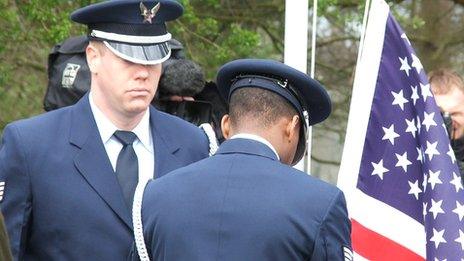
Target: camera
x=196 y=112
x=448 y=124
x=456 y=144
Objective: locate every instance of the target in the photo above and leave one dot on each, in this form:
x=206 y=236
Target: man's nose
x=143 y=71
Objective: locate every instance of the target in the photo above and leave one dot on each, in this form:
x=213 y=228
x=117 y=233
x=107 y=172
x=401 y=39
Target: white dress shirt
x=256 y=138
x=143 y=145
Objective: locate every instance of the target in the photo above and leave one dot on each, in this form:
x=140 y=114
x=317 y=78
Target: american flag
x=398 y=171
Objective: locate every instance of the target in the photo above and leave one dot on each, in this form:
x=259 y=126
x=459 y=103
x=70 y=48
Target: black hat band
x=270 y=84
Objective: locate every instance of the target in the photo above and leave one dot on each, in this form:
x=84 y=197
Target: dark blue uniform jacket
x=62 y=200
x=243 y=204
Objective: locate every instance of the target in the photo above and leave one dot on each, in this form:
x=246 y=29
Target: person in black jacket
x=448 y=89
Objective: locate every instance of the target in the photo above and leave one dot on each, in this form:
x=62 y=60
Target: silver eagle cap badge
x=148 y=14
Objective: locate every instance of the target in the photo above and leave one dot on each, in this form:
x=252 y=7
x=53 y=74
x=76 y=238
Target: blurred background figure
x=184 y=92
x=448 y=89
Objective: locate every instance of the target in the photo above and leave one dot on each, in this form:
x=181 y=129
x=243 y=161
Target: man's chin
x=136 y=108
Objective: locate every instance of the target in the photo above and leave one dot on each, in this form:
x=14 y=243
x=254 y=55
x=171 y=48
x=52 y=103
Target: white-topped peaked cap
x=133 y=30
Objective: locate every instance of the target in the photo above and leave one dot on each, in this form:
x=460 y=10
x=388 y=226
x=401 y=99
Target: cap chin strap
x=305 y=131
x=134 y=60
x=306 y=122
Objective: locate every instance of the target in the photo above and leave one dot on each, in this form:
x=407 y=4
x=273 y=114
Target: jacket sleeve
x=15 y=202
x=334 y=239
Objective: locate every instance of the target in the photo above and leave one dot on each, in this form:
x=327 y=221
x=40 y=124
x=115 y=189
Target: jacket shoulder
x=184 y=131
x=47 y=120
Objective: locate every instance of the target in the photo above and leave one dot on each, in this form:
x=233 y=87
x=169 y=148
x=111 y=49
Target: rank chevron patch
x=2 y=189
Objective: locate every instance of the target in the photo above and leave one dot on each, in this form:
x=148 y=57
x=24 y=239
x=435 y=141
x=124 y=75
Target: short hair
x=442 y=80
x=99 y=45
x=258 y=105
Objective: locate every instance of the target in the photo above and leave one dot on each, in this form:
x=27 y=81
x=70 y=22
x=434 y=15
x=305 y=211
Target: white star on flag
x=434 y=178
x=416 y=63
x=431 y=149
x=436 y=208
x=403 y=161
x=459 y=210
x=437 y=237
x=379 y=169
x=418 y=124
x=411 y=127
x=424 y=209
x=414 y=95
x=460 y=239
x=414 y=189
x=390 y=134
x=405 y=37
x=424 y=183
x=456 y=181
x=425 y=90
x=404 y=65
x=399 y=99
x=420 y=157
x=451 y=154
x=444 y=127
x=428 y=120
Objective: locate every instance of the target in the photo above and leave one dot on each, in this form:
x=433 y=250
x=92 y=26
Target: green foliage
x=211 y=40
x=31 y=27
x=324 y=5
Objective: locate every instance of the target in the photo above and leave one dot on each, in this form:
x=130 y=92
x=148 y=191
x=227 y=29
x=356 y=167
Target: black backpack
x=68 y=73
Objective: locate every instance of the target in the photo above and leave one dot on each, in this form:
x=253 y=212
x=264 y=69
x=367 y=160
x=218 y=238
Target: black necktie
x=127 y=168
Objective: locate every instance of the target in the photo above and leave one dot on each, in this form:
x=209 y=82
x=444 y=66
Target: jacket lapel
x=165 y=144
x=92 y=161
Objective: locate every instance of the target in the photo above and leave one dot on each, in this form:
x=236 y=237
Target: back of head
x=258 y=108
x=305 y=95
x=443 y=80
x=181 y=77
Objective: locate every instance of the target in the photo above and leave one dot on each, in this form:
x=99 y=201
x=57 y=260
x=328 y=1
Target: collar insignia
x=148 y=14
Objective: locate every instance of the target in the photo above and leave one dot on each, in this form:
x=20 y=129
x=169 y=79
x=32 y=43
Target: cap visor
x=141 y=54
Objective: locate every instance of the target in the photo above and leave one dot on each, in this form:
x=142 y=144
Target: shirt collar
x=143 y=131
x=107 y=128
x=256 y=138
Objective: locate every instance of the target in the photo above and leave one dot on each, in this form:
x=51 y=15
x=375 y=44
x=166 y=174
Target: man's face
x=123 y=87
x=453 y=103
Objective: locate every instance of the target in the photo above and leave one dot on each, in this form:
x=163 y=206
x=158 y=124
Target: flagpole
x=363 y=29
x=313 y=40
x=296 y=46
x=307 y=158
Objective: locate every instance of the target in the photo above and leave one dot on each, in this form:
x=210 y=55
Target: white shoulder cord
x=137 y=221
x=213 y=144
x=138 y=197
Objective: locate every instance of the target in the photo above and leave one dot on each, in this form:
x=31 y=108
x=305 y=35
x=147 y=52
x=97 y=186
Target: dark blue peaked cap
x=126 y=12
x=134 y=30
x=300 y=90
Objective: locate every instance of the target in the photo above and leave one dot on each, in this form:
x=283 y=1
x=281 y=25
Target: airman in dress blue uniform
x=246 y=202
x=69 y=175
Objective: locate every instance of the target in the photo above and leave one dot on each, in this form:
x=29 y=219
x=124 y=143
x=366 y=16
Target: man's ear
x=93 y=55
x=293 y=128
x=225 y=126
